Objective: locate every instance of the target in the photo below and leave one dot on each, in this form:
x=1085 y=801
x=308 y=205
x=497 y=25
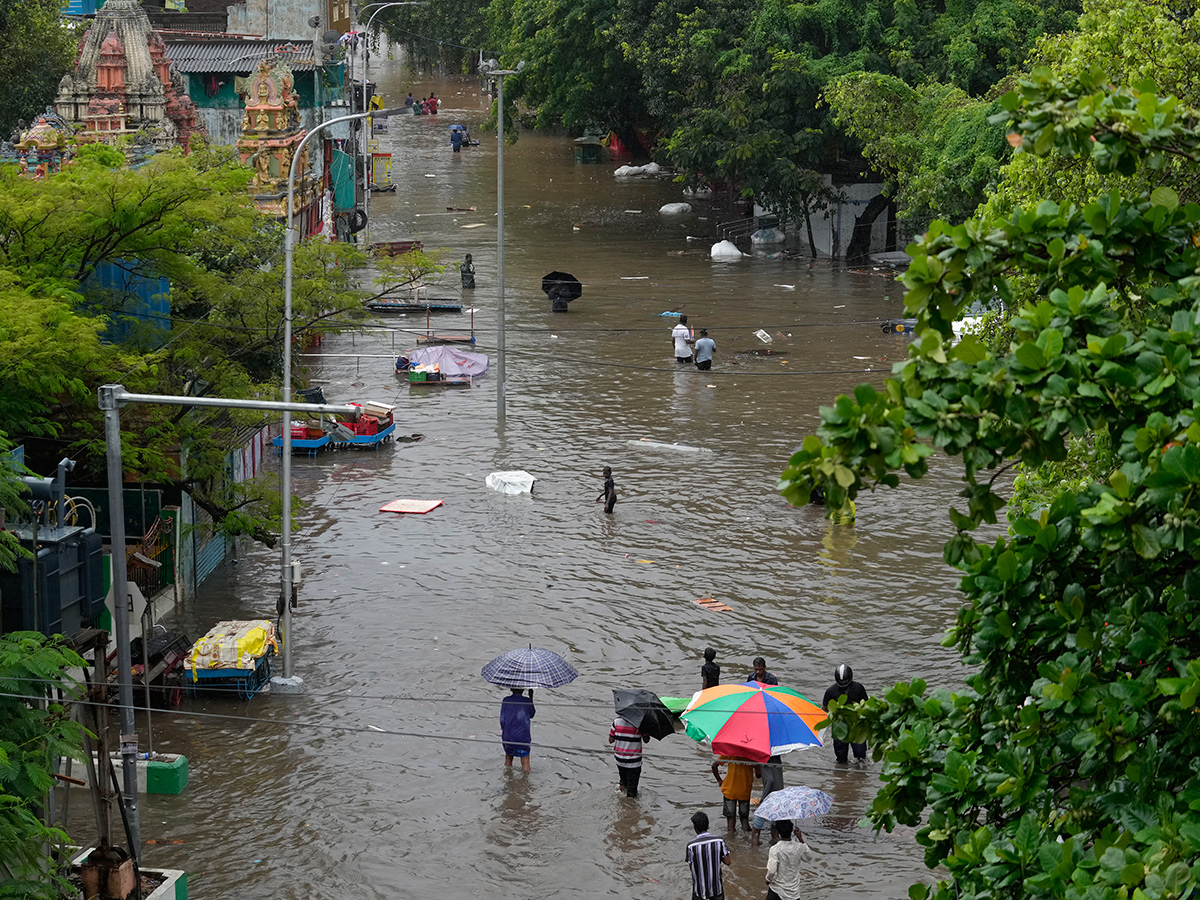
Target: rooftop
x=194 y=54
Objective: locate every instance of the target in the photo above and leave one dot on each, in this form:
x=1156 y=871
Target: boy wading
x=627 y=748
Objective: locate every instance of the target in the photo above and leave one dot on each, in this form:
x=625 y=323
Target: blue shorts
x=517 y=750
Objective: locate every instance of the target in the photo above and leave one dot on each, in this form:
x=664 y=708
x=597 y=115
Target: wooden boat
x=443 y=381
x=375 y=426
x=441 y=367
x=396 y=248
x=415 y=304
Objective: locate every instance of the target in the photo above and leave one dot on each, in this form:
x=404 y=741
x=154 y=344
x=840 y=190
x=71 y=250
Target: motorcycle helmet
x=843 y=675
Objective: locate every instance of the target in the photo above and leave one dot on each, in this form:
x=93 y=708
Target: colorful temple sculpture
x=41 y=150
x=123 y=85
x=271 y=134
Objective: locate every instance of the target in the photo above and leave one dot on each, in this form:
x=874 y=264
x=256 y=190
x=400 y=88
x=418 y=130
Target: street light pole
x=492 y=69
x=111 y=398
x=289 y=237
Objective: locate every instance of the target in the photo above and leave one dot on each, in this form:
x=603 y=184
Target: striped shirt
x=627 y=743
x=704 y=855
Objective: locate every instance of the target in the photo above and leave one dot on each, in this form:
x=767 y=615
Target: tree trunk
x=812 y=244
x=860 y=241
x=632 y=143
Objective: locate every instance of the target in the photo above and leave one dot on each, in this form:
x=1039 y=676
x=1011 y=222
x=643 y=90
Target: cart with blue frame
x=233 y=656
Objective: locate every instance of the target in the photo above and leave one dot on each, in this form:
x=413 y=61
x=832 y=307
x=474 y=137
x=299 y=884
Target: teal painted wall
x=227 y=98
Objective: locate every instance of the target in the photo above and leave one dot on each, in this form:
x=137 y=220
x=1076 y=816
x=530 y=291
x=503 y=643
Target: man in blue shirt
x=704 y=351
x=516 y=711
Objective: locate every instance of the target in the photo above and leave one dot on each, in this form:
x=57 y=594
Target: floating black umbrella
x=561 y=288
x=645 y=712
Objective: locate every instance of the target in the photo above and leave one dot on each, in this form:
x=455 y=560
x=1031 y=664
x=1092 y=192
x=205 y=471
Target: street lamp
x=491 y=69
x=111 y=398
x=285 y=540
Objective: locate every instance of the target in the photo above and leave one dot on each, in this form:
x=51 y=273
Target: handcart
x=233 y=656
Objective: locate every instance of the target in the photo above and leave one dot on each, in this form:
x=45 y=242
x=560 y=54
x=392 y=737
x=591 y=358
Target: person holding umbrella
x=641 y=715
x=519 y=669
x=736 y=788
x=516 y=716
x=561 y=288
x=627 y=748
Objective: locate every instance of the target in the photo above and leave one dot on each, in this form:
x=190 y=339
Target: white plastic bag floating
x=517 y=481
x=725 y=250
x=648 y=169
x=675 y=209
x=649 y=444
x=767 y=236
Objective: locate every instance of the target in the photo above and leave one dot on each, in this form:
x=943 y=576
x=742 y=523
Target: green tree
x=741 y=94
x=1066 y=766
x=187 y=217
x=576 y=74
x=437 y=36
x=39 y=49
x=1130 y=41
x=35 y=730
x=933 y=144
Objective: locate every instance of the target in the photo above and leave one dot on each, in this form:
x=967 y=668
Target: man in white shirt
x=785 y=865
x=682 y=335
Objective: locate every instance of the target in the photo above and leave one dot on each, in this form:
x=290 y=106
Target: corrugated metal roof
x=239 y=57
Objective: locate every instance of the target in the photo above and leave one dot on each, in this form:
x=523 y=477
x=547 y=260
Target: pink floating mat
x=410 y=506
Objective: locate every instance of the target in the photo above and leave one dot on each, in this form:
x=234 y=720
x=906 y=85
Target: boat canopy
x=449 y=360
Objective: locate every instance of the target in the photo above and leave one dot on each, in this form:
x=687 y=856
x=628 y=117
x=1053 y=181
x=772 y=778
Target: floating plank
x=710 y=603
x=418 y=507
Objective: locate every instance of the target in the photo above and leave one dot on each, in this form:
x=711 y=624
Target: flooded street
x=386 y=779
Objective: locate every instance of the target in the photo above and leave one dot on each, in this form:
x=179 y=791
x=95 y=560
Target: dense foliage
x=1129 y=42
x=189 y=218
x=933 y=144
x=731 y=91
x=443 y=36
x=33 y=735
x=1067 y=766
x=39 y=49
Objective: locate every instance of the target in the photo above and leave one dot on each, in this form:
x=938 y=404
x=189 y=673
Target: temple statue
x=271 y=133
x=41 y=149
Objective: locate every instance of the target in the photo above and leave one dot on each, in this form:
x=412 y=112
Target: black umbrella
x=561 y=288
x=564 y=284
x=645 y=712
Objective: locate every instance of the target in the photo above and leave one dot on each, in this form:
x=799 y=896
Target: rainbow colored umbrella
x=753 y=721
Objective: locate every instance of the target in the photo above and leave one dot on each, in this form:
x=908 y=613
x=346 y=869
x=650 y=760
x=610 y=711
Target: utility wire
x=368 y=729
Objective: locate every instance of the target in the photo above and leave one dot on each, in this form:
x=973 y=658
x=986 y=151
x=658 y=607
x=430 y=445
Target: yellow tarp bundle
x=233 y=645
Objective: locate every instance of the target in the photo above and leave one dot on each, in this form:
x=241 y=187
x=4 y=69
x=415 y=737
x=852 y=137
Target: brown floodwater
x=385 y=779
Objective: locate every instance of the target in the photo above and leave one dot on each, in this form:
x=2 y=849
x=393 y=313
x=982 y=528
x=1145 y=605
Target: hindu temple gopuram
x=123 y=84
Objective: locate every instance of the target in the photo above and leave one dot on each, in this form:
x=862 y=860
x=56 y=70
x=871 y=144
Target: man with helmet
x=845 y=690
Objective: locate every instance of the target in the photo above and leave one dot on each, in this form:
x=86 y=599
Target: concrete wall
x=282 y=19
x=833 y=228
